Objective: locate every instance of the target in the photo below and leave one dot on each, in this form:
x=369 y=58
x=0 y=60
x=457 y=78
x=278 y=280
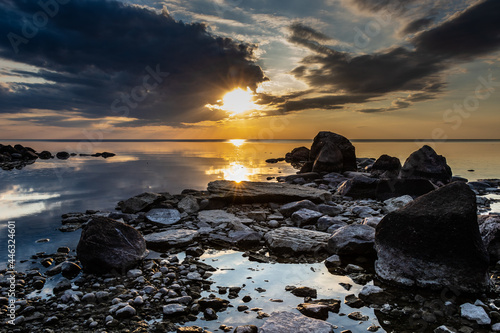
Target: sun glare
x=238 y=101
x=237 y=142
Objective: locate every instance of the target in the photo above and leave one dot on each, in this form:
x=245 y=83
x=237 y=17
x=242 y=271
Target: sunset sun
x=238 y=101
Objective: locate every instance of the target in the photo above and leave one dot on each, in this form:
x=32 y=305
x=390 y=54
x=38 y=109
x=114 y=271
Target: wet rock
x=425 y=163
x=386 y=167
x=305 y=292
x=61 y=286
x=163 y=216
x=161 y=241
x=373 y=295
x=318 y=311
x=434 y=242
x=288 y=209
x=333 y=261
x=332 y=152
x=358 y=316
x=174 y=309
x=325 y=222
x=353 y=240
x=244 y=238
x=305 y=216
x=474 y=313
x=246 y=329
x=125 y=312
x=189 y=204
x=45 y=155
x=107 y=245
x=70 y=270
x=354 y=302
x=215 y=303
x=393 y=204
x=107 y=154
x=296 y=240
x=300 y=154
x=140 y=203
x=330 y=210
x=489 y=227
x=280 y=322
x=209 y=314
x=62 y=155
x=258 y=192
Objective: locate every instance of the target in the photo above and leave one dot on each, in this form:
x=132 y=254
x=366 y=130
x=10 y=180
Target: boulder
x=162 y=241
x=427 y=164
x=225 y=191
x=359 y=187
x=489 y=227
x=107 y=245
x=280 y=322
x=386 y=167
x=296 y=240
x=332 y=152
x=288 y=209
x=107 y=154
x=140 y=203
x=45 y=155
x=163 y=216
x=62 y=155
x=305 y=216
x=300 y=154
x=189 y=204
x=353 y=240
x=434 y=242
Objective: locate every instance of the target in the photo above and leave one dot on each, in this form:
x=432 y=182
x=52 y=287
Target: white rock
x=163 y=216
x=496 y=327
x=474 y=312
x=133 y=273
x=394 y=204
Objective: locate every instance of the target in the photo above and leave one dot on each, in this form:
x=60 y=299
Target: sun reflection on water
x=237 y=142
x=234 y=171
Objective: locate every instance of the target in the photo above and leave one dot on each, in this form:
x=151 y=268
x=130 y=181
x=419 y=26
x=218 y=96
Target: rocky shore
x=18 y=156
x=420 y=244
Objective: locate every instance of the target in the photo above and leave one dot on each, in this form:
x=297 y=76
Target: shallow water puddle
x=234 y=270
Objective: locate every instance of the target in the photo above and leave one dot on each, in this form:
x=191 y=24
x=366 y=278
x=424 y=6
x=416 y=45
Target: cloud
x=417 y=25
x=93 y=55
x=418 y=70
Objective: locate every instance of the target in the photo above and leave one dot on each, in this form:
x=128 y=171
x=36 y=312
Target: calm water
x=36 y=196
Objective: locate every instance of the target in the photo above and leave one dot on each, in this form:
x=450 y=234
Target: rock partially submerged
x=434 y=242
x=257 y=192
x=331 y=152
x=280 y=322
x=109 y=246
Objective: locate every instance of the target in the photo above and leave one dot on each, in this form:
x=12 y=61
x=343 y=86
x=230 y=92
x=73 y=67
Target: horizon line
x=248 y=140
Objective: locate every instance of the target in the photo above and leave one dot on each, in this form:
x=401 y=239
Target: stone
x=62 y=155
x=354 y=302
x=140 y=203
x=359 y=187
x=107 y=154
x=495 y=327
x=305 y=216
x=393 y=204
x=163 y=216
x=444 y=329
x=299 y=154
x=386 y=167
x=280 y=322
x=474 y=313
x=318 y=311
x=125 y=312
x=244 y=238
x=107 y=245
x=427 y=164
x=217 y=216
x=333 y=261
x=325 y=222
x=305 y=292
x=373 y=295
x=224 y=191
x=358 y=316
x=353 y=240
x=246 y=329
x=296 y=240
x=189 y=204
x=45 y=155
x=174 y=309
x=332 y=152
x=215 y=303
x=288 y=209
x=330 y=210
x=434 y=242
x=372 y=221
x=489 y=227
x=162 y=241
x=70 y=270
x=209 y=314
x=61 y=286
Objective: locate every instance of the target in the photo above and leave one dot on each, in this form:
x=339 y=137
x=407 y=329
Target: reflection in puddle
x=273 y=278
x=18 y=202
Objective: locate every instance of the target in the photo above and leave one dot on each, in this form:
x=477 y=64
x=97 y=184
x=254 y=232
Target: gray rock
x=332 y=152
x=475 y=313
x=434 y=242
x=245 y=238
x=189 y=204
x=445 y=329
x=372 y=221
x=107 y=245
x=140 y=202
x=280 y=322
x=133 y=273
x=216 y=217
x=257 y=192
x=160 y=241
x=354 y=239
x=174 y=309
x=373 y=295
x=273 y=224
x=70 y=270
x=125 y=312
x=246 y=329
x=296 y=240
x=393 y=204
x=61 y=286
x=318 y=311
x=425 y=163
x=331 y=210
x=363 y=211
x=163 y=216
x=325 y=222
x=333 y=261
x=495 y=327
x=288 y=209
x=305 y=216
x=489 y=227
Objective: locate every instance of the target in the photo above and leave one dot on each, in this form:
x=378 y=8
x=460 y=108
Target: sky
x=249 y=69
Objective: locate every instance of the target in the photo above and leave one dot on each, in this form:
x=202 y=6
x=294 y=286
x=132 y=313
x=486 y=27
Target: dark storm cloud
x=95 y=52
x=417 y=25
x=475 y=32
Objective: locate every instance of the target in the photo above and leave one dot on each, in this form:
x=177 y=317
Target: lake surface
x=36 y=196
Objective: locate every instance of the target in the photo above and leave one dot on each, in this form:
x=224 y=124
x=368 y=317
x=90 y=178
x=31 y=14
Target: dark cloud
x=473 y=33
x=377 y=5
x=95 y=52
x=417 y=25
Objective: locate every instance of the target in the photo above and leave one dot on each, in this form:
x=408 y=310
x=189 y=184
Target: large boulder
x=489 y=227
x=359 y=187
x=140 y=203
x=332 y=152
x=353 y=240
x=386 y=167
x=296 y=240
x=427 y=164
x=107 y=245
x=280 y=322
x=297 y=155
x=225 y=191
x=434 y=242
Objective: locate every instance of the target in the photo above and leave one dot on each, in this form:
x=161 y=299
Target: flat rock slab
x=163 y=216
x=280 y=322
x=217 y=216
x=296 y=240
x=258 y=192
x=160 y=241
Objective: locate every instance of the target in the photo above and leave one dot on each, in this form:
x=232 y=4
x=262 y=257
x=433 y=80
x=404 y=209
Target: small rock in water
x=357 y=316
x=353 y=301
x=305 y=292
